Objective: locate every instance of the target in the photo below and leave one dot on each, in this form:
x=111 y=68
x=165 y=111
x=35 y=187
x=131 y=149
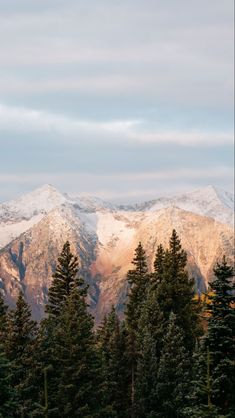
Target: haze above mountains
x=34 y=227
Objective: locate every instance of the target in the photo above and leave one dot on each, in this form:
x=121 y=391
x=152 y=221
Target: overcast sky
x=126 y=100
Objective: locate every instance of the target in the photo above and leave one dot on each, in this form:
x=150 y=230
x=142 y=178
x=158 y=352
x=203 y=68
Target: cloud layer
x=23 y=120
x=105 y=90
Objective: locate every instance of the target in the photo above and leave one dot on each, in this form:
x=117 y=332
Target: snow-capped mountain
x=207 y=201
x=17 y=216
x=34 y=228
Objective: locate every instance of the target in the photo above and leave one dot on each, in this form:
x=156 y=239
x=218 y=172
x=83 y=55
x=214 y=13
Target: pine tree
x=7 y=394
x=45 y=374
x=173 y=373
x=221 y=338
x=157 y=276
x=175 y=291
x=111 y=341
x=64 y=280
x=77 y=360
x=146 y=373
x=19 y=350
x=213 y=385
x=138 y=280
x=199 y=403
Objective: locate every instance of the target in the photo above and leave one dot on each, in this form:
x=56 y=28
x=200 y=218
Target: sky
x=126 y=100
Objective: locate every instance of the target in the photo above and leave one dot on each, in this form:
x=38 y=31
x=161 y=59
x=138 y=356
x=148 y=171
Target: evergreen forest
x=172 y=355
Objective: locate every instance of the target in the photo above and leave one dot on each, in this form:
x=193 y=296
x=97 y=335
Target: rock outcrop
x=104 y=237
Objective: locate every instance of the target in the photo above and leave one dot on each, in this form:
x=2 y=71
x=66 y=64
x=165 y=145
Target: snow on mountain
x=91 y=203
x=207 y=201
x=34 y=228
x=11 y=230
x=41 y=200
x=225 y=197
x=17 y=216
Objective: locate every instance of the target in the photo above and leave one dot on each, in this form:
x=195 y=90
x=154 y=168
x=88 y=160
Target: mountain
x=34 y=228
x=208 y=201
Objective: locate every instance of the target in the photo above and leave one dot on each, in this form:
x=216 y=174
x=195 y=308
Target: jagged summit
x=17 y=216
x=211 y=192
x=104 y=237
x=207 y=201
x=47 y=197
x=40 y=200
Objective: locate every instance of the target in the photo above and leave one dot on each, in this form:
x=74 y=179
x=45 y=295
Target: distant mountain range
x=34 y=227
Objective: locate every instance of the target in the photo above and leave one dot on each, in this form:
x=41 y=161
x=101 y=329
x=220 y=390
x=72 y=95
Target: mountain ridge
x=104 y=239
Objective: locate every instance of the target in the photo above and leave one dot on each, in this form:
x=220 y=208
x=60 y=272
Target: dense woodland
x=172 y=355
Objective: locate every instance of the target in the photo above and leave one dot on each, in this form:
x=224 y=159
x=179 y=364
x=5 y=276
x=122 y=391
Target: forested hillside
x=172 y=355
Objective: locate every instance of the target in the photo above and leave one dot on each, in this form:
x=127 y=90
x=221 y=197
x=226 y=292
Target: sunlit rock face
x=34 y=228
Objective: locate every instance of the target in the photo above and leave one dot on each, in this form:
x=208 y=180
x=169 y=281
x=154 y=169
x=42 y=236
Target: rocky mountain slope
x=34 y=228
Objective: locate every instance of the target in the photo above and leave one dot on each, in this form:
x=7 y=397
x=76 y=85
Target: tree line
x=172 y=356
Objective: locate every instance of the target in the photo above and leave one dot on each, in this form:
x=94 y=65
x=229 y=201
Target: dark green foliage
x=111 y=342
x=199 y=397
x=221 y=338
x=45 y=360
x=140 y=368
x=175 y=291
x=146 y=375
x=202 y=411
x=169 y=292
x=173 y=375
x=77 y=361
x=21 y=333
x=148 y=342
x=213 y=385
x=138 y=280
x=157 y=276
x=64 y=280
x=7 y=394
x=65 y=283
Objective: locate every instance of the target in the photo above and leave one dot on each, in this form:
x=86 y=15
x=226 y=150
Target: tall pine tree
x=64 y=280
x=138 y=280
x=21 y=333
x=157 y=276
x=213 y=385
x=199 y=403
x=169 y=292
x=221 y=338
x=175 y=291
x=76 y=360
x=147 y=367
x=173 y=375
x=111 y=342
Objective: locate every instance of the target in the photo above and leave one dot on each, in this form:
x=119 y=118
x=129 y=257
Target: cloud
x=131 y=48
x=190 y=138
x=167 y=174
x=17 y=119
x=127 y=85
x=121 y=187
x=30 y=120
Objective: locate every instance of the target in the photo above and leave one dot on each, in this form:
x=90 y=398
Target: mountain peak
x=40 y=200
x=46 y=188
x=210 y=193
